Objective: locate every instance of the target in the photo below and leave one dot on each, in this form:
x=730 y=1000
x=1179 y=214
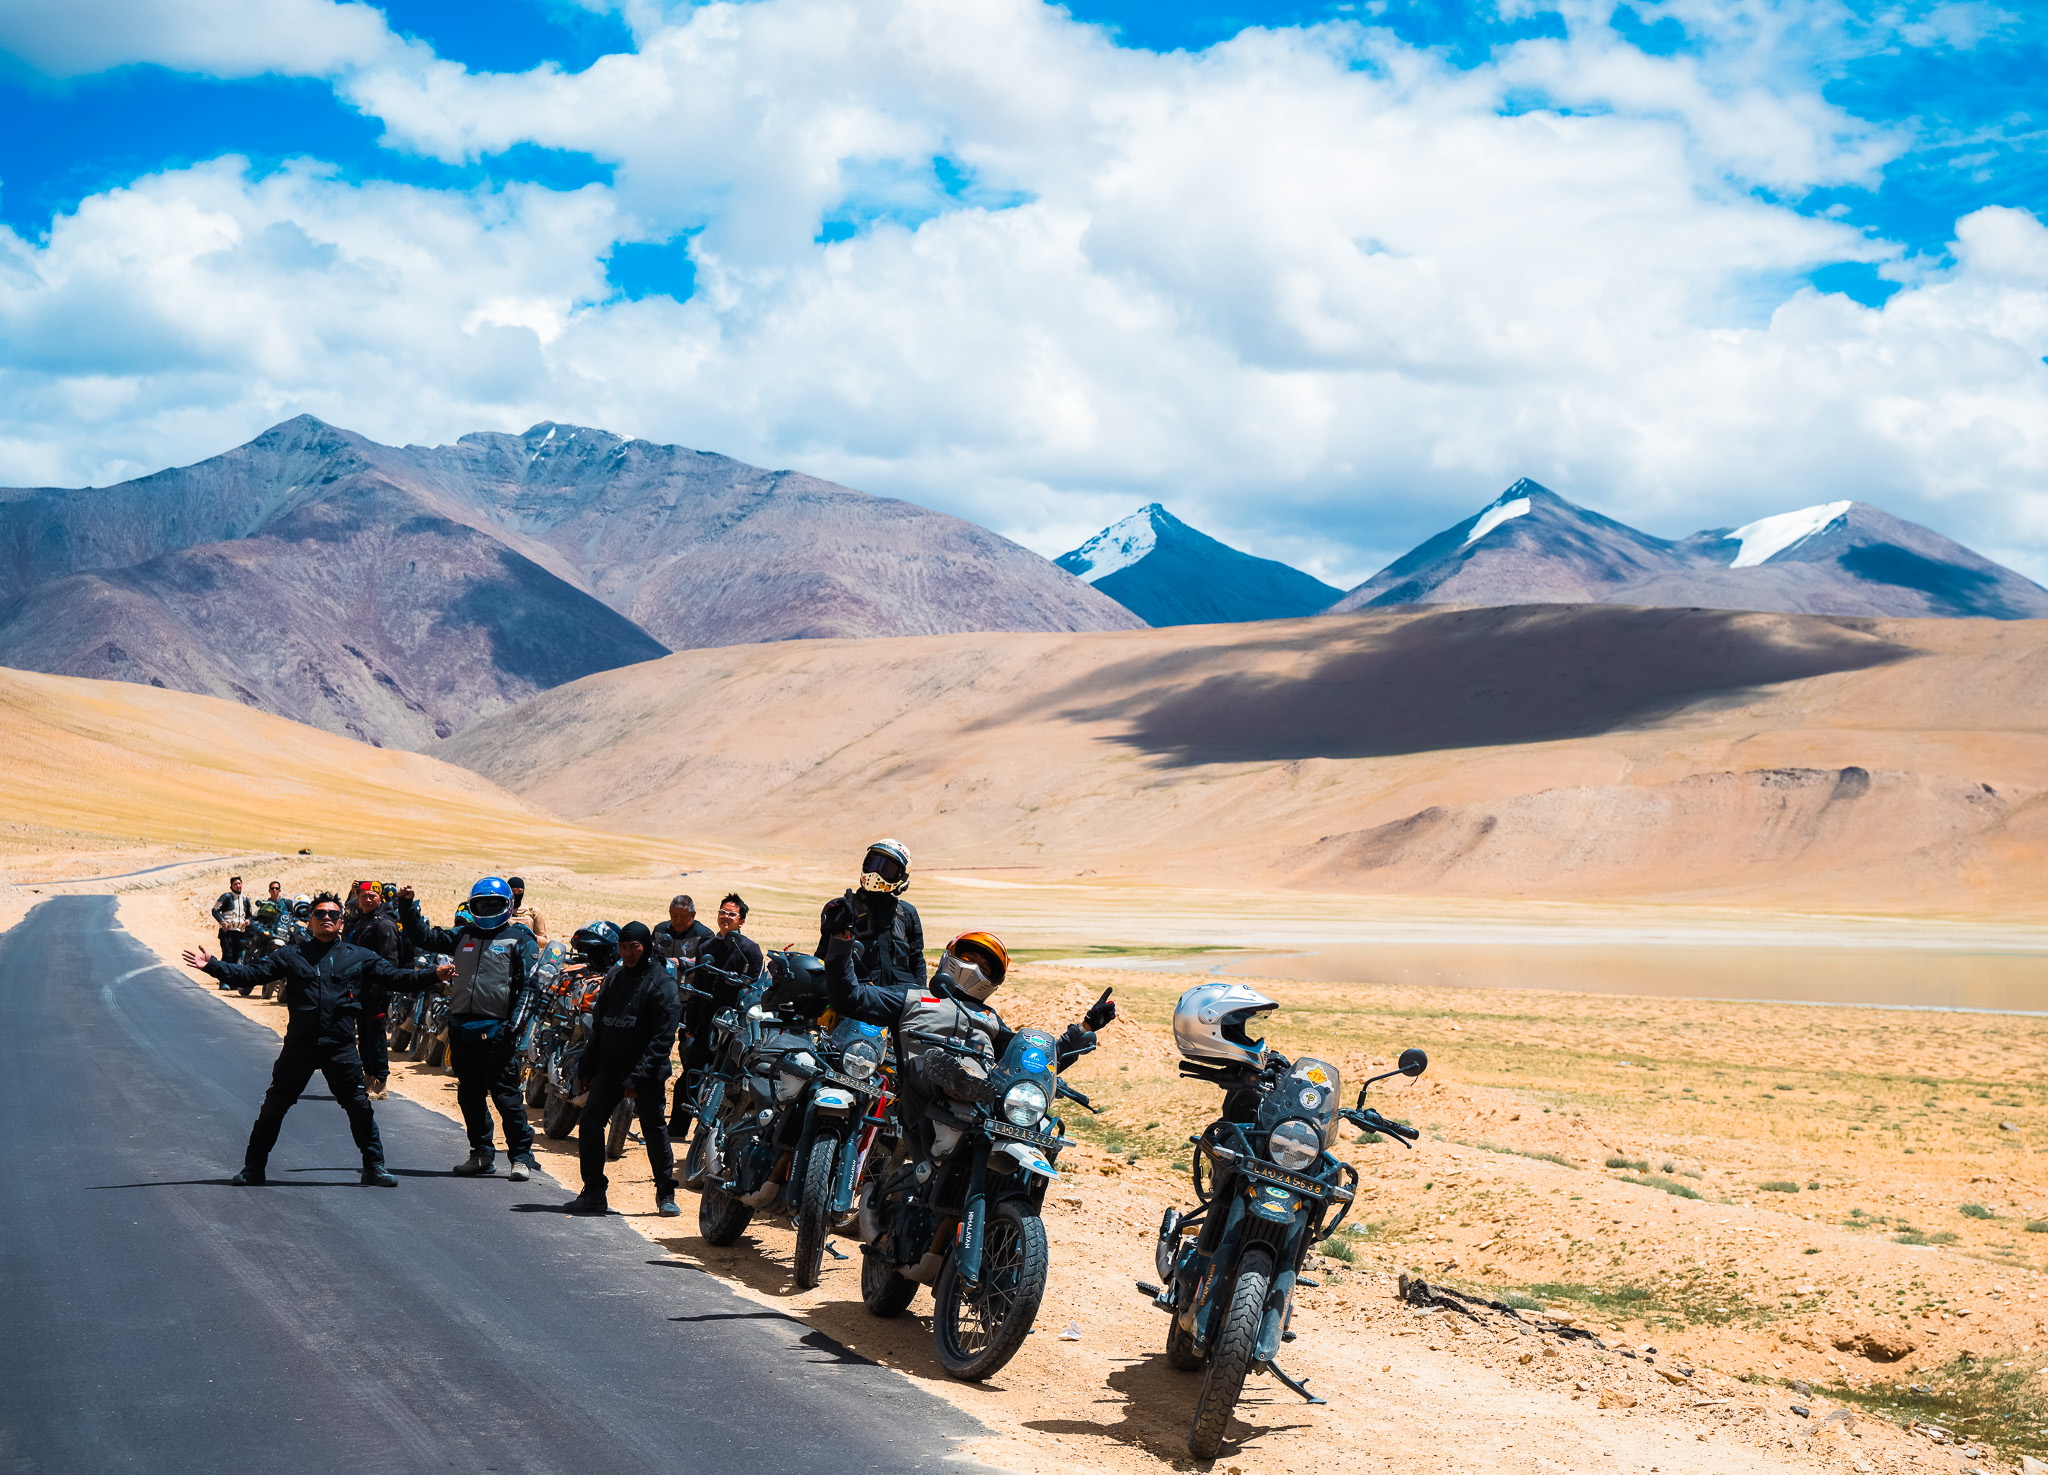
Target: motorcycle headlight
x=1024 y=1103
x=861 y=1059
x=1294 y=1145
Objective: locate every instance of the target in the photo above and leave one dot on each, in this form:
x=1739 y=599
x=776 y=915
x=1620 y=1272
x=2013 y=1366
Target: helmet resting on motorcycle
x=490 y=904
x=597 y=941
x=886 y=867
x=1209 y=1023
x=301 y=904
x=975 y=963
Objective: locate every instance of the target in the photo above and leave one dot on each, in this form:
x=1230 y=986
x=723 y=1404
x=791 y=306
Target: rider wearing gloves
x=323 y=980
x=632 y=1027
x=489 y=1002
x=887 y=933
x=954 y=1006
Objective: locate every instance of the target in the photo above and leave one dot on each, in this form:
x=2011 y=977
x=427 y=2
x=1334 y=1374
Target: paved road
x=197 y=860
x=153 y=1318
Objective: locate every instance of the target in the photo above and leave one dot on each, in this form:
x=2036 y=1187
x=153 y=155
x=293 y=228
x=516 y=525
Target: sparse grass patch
x=2001 y=1404
x=1542 y=1157
x=1653 y=1180
x=1779 y=1185
x=1641 y=1165
x=1976 y=1211
x=2037 y=1226
x=1907 y=1236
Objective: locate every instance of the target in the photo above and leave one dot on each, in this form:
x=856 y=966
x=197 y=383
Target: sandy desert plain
x=1835 y=1207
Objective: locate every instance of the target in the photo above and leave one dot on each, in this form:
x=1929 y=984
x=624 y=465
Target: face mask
x=967 y=978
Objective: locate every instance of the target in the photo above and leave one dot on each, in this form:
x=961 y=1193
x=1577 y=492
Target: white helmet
x=886 y=867
x=1209 y=1021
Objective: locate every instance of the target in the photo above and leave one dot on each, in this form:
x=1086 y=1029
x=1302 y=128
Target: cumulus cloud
x=222 y=38
x=1319 y=291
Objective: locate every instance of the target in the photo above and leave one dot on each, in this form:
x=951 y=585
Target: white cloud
x=221 y=38
x=1315 y=290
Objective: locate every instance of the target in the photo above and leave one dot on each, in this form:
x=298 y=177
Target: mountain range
x=1167 y=573
x=397 y=593
x=1531 y=546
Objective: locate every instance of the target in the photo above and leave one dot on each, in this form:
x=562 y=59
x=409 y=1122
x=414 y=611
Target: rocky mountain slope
x=1531 y=546
x=1168 y=573
x=396 y=593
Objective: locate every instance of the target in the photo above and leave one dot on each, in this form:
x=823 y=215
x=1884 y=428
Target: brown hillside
x=1563 y=752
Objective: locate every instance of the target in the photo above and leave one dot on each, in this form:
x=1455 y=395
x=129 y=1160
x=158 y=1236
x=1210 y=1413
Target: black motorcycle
x=847 y=1135
x=1265 y=1179
x=968 y=1220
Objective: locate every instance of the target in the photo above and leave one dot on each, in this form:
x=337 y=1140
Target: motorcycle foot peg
x=1149 y=1289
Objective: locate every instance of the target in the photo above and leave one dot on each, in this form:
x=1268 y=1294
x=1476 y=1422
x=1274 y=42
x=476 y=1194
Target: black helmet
x=597 y=941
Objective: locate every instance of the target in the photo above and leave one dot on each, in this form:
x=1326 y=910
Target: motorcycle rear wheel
x=977 y=1331
x=1231 y=1358
x=1180 y=1348
x=814 y=1209
x=401 y=1031
x=883 y=1289
x=559 y=1116
x=437 y=1049
x=417 y=1050
x=615 y=1131
x=537 y=1083
x=721 y=1218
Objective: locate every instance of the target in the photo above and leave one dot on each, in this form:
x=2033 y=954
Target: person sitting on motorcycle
x=730 y=951
x=954 y=1006
x=632 y=1028
x=488 y=1002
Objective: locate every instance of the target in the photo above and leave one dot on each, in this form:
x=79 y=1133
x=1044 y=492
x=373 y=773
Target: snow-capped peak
x=1495 y=515
x=1767 y=537
x=1117 y=546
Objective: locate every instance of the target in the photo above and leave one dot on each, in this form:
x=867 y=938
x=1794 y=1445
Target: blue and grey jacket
x=494 y=971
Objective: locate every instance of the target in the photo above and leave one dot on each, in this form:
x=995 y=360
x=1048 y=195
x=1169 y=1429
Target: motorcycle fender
x=832 y=1100
x=1027 y=1157
x=1276 y=1317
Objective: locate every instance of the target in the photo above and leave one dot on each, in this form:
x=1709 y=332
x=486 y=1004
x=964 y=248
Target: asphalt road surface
x=155 y=1318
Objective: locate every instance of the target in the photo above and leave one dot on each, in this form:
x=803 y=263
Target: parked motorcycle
x=1264 y=1179
x=576 y=987
x=968 y=1220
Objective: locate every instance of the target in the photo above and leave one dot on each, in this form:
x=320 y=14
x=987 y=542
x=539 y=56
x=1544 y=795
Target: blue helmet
x=490 y=904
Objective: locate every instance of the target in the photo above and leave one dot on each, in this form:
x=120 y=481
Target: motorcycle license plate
x=1295 y=1181
x=1043 y=1141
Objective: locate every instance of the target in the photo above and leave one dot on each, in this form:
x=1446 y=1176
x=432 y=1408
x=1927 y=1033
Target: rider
x=488 y=1001
x=733 y=952
x=888 y=934
x=954 y=1006
x=632 y=1027
x=323 y=980
x=374 y=927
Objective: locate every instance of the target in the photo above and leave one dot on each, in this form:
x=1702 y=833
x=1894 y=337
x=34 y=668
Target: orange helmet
x=975 y=978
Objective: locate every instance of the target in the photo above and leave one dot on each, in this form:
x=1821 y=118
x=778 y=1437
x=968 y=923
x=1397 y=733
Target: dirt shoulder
x=1730 y=1294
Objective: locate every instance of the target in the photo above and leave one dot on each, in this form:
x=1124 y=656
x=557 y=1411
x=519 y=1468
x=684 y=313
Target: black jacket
x=886 y=1003
x=672 y=944
x=888 y=937
x=633 y=1024
x=378 y=932
x=323 y=985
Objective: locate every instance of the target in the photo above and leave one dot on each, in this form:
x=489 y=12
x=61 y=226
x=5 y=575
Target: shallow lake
x=1902 y=977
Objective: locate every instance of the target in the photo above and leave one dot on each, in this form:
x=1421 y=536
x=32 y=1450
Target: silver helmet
x=1209 y=1023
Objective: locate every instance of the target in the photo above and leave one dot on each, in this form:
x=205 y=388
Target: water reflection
x=1926 y=978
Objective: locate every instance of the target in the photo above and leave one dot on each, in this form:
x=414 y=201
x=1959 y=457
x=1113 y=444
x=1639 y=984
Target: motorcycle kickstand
x=1302 y=1387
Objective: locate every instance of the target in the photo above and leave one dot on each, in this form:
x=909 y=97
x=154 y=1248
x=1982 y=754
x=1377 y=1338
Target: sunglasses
x=332 y=912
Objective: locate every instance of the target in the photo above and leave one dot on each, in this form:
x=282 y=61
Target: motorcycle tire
x=536 y=1084
x=245 y=989
x=559 y=1115
x=616 y=1130
x=1231 y=1358
x=814 y=1209
x=1180 y=1348
x=883 y=1289
x=700 y=1139
x=977 y=1331
x=269 y=989
x=421 y=1041
x=401 y=1031
x=437 y=1049
x=721 y=1218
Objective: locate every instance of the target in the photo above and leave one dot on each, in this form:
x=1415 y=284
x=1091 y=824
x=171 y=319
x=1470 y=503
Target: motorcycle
x=1264 y=1184
x=287 y=925
x=968 y=1220
x=761 y=1102
x=561 y=1094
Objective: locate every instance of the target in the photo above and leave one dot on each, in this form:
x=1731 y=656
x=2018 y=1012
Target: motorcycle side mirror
x=1413 y=1062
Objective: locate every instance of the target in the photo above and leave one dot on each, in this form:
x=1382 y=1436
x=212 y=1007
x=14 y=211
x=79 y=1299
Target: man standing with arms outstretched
x=323 y=980
x=488 y=1003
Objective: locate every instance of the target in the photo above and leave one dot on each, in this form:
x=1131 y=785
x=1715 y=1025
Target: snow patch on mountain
x=1494 y=516
x=1767 y=537
x=1116 y=547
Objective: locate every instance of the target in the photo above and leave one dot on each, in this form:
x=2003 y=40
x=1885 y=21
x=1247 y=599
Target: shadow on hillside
x=1464 y=678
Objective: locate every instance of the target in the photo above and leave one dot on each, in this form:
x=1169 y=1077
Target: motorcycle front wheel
x=1231 y=1358
x=977 y=1330
x=721 y=1218
x=421 y=1040
x=814 y=1209
x=401 y=1031
x=883 y=1289
x=696 y=1159
x=537 y=1083
x=616 y=1129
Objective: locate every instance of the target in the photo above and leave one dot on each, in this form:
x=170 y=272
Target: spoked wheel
x=1231 y=1358
x=813 y=1187
x=977 y=1330
x=559 y=1116
x=615 y=1131
x=883 y=1289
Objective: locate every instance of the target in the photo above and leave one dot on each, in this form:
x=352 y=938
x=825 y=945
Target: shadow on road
x=1157 y=1404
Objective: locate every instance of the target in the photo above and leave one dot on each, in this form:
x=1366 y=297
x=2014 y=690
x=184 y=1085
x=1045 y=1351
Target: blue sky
x=659 y=235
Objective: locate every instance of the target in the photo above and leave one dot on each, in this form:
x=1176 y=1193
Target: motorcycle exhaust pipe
x=762 y=1197
x=870 y=1221
x=925 y=1271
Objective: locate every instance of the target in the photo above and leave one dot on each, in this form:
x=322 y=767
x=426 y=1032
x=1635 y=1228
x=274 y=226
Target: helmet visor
x=968 y=978
x=882 y=863
x=485 y=908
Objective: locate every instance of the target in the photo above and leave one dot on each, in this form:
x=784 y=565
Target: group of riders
x=335 y=961
x=849 y=1088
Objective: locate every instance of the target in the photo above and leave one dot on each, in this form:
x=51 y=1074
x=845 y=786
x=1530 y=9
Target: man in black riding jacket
x=888 y=934
x=632 y=1028
x=489 y=1002
x=374 y=927
x=323 y=980
x=682 y=936
x=732 y=952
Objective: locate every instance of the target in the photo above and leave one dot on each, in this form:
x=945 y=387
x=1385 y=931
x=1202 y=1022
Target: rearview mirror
x=1413 y=1062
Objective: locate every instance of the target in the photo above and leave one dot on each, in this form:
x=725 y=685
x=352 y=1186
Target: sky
x=1322 y=278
